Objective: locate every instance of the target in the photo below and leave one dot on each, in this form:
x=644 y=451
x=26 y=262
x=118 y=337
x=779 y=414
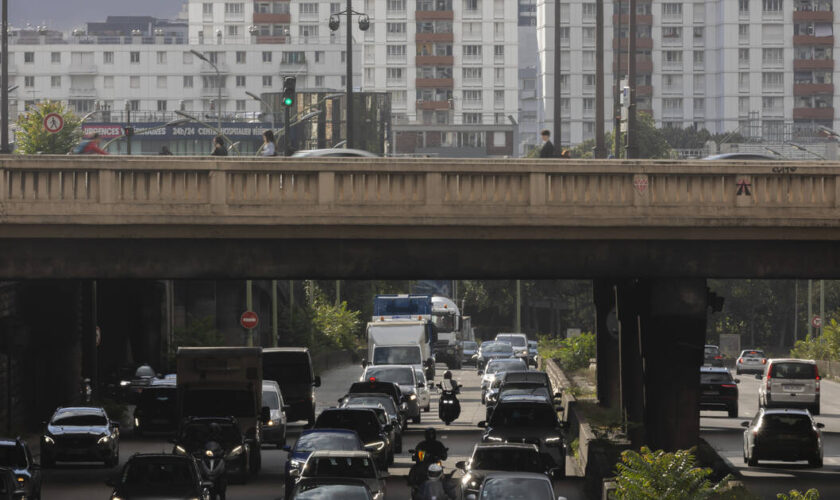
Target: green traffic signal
x=287 y=101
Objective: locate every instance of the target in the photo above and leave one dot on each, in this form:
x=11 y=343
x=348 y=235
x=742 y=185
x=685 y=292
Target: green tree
x=32 y=137
x=657 y=475
x=649 y=139
x=338 y=325
x=812 y=494
x=573 y=353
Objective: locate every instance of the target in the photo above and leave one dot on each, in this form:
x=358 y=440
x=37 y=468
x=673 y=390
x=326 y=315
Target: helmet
x=447 y=375
x=431 y=434
x=435 y=471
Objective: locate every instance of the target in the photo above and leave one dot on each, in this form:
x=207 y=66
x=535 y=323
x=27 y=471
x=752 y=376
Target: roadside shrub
x=657 y=475
x=572 y=353
x=811 y=494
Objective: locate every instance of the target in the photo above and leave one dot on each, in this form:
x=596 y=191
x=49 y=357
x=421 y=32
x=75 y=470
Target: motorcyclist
x=218 y=475
x=450 y=384
x=427 y=452
x=436 y=487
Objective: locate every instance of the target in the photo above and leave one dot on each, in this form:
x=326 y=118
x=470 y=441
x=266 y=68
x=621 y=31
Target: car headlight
x=180 y=450
x=124 y=383
x=136 y=422
x=49 y=440
x=375 y=446
x=495 y=439
x=412 y=397
x=209 y=453
x=271 y=423
x=115 y=497
x=236 y=451
x=104 y=440
x=553 y=441
x=296 y=464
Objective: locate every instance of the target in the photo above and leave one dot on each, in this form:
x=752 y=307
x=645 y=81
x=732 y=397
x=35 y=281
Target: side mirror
x=265 y=414
x=365 y=363
x=820 y=426
x=317 y=382
x=461 y=465
x=558 y=395
x=737 y=380
x=286 y=448
x=759 y=376
x=482 y=424
x=420 y=385
x=745 y=424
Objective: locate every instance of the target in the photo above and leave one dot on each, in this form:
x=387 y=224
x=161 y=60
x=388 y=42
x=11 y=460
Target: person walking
x=547 y=150
x=164 y=150
x=268 y=148
x=219 y=148
x=90 y=146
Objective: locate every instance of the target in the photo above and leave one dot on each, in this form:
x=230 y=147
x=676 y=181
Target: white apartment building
x=762 y=67
x=451 y=67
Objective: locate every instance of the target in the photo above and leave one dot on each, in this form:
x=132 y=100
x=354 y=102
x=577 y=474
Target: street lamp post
x=267 y=105
x=364 y=24
x=218 y=85
x=4 y=81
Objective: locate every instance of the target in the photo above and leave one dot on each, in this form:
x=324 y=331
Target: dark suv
x=374 y=434
x=718 y=390
x=291 y=368
x=80 y=434
x=524 y=383
x=15 y=455
x=528 y=419
x=156 y=410
x=170 y=477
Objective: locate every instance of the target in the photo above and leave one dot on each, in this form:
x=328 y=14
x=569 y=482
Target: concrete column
x=674 y=335
x=630 y=307
x=607 y=345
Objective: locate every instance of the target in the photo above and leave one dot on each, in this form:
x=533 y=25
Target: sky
x=68 y=14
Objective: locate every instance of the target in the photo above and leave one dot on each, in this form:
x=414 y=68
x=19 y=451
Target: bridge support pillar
x=609 y=377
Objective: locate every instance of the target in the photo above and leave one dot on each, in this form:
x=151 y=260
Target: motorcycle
x=211 y=461
x=418 y=474
x=449 y=408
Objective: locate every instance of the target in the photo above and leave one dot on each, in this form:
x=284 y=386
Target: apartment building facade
x=764 y=68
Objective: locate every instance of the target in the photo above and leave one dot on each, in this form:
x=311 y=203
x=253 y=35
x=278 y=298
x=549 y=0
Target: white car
x=495 y=366
x=790 y=383
x=424 y=395
x=519 y=342
x=403 y=376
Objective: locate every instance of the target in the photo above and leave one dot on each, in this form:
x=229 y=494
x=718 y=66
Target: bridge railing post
x=218 y=187
x=434 y=188
x=4 y=189
x=538 y=188
x=106 y=186
x=326 y=188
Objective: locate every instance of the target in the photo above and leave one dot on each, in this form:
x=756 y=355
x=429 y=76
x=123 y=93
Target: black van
x=291 y=367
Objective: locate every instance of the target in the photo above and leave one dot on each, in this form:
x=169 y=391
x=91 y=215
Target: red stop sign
x=249 y=319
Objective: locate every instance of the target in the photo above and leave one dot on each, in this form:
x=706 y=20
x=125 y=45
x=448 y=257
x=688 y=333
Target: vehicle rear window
x=327 y=441
x=798 y=371
x=291 y=368
x=786 y=423
x=506 y=459
x=408 y=355
x=497 y=347
x=535 y=415
x=753 y=354
x=79 y=420
x=514 y=487
x=12 y=456
x=195 y=435
x=360 y=467
x=470 y=345
x=270 y=399
x=167 y=473
x=513 y=339
x=716 y=378
x=711 y=351
x=364 y=423
x=386 y=402
x=401 y=376
x=505 y=365
x=205 y=403
x=323 y=491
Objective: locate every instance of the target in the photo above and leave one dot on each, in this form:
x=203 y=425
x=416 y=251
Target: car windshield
x=338 y=441
x=782 y=424
x=527 y=415
x=716 y=378
x=505 y=365
x=360 y=467
x=525 y=391
x=403 y=355
x=194 y=435
x=752 y=354
x=497 y=347
x=401 y=376
x=157 y=473
x=364 y=423
x=797 y=371
x=292 y=367
x=75 y=419
x=444 y=322
x=158 y=397
x=515 y=340
x=711 y=351
x=270 y=399
x=12 y=455
x=331 y=491
x=418 y=374
x=205 y=403
x=507 y=459
x=516 y=488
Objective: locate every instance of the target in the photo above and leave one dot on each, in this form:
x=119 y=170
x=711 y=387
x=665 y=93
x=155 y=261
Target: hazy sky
x=66 y=14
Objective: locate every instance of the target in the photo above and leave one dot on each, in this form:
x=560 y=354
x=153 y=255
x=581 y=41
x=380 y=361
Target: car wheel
x=733 y=411
x=815 y=462
x=391 y=457
x=752 y=461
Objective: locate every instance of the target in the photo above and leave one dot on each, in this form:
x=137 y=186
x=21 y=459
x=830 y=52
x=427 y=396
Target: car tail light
x=741 y=360
x=763 y=361
x=729 y=386
x=718 y=357
x=767 y=386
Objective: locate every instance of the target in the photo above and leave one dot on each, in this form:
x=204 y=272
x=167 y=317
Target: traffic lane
x=726 y=436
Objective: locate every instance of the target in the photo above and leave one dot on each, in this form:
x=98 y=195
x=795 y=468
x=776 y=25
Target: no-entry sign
x=816 y=322
x=249 y=319
x=53 y=123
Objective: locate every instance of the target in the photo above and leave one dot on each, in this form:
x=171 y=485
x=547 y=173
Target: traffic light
x=289 y=90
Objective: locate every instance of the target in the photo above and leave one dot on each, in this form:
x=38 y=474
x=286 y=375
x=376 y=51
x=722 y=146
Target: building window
x=396 y=6
x=472 y=51
x=472 y=95
x=108 y=57
x=188 y=82
x=134 y=105
x=471 y=74
x=240 y=80
x=207 y=9
x=772 y=56
x=772 y=6
x=772 y=81
x=266 y=80
x=699 y=58
x=28 y=81
x=393 y=75
x=672 y=10
x=588 y=105
x=472 y=118
x=472 y=6
x=234 y=8
x=293 y=57
x=55 y=82
x=699 y=105
x=672 y=104
x=319 y=56
x=398 y=96
x=134 y=82
x=308 y=30
x=266 y=57
x=588 y=11
x=161 y=105
x=743 y=6
x=240 y=57
x=240 y=105
x=319 y=81
x=744 y=57
x=161 y=82
x=743 y=32
x=55 y=57
x=335 y=7
x=395 y=28
x=134 y=57
x=161 y=57
x=29 y=57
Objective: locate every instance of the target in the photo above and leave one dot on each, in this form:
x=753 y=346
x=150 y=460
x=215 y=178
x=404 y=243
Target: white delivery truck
x=399 y=332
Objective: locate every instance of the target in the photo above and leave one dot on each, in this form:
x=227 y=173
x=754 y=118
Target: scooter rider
x=215 y=474
x=450 y=384
x=436 y=487
x=427 y=452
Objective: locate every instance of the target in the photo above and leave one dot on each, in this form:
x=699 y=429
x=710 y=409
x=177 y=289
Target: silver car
x=516 y=486
x=327 y=465
x=496 y=366
x=273 y=431
x=403 y=376
x=424 y=396
x=790 y=383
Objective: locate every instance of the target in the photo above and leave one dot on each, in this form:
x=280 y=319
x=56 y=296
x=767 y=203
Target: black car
x=510 y=457
x=291 y=368
x=195 y=432
x=171 y=477
x=718 y=390
x=15 y=455
x=8 y=486
x=783 y=434
x=80 y=434
x=156 y=410
x=320 y=489
x=492 y=350
x=712 y=356
x=519 y=383
x=374 y=400
x=388 y=388
x=371 y=431
x=531 y=420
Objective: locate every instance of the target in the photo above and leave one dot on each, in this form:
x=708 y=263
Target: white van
x=519 y=342
x=788 y=383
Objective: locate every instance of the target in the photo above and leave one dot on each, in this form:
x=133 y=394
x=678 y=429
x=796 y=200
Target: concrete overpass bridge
x=649 y=234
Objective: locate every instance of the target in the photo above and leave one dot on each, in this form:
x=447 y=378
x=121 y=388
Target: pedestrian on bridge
x=547 y=150
x=219 y=148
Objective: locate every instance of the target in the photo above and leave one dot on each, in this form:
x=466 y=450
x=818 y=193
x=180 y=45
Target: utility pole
x=617 y=104
x=4 y=82
x=822 y=307
x=600 y=147
x=810 y=308
x=518 y=317
x=632 y=151
x=349 y=79
x=795 y=310
x=249 y=306
x=558 y=91
x=129 y=130
x=275 y=327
